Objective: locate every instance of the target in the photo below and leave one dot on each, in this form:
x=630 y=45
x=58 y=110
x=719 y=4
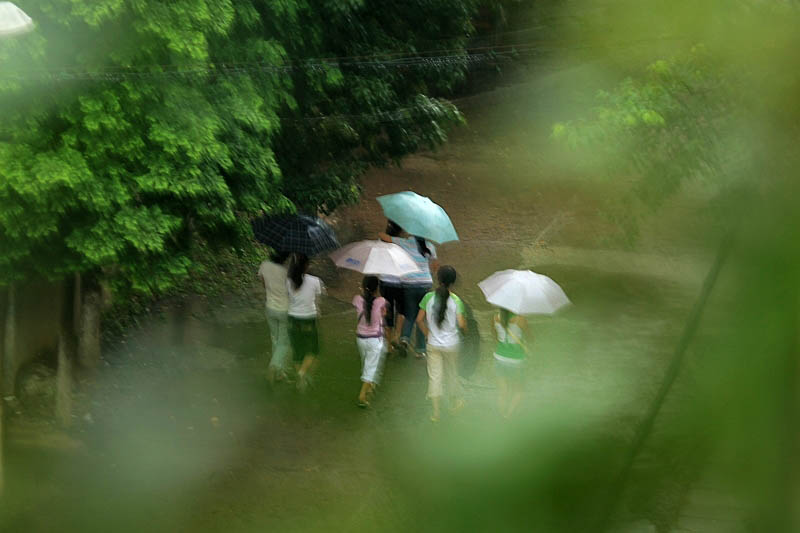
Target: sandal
x=459 y=405
x=303 y=382
x=403 y=348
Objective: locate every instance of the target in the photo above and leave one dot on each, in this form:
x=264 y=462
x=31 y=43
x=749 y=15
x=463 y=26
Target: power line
x=399 y=114
x=433 y=62
x=396 y=115
x=403 y=56
x=429 y=59
x=459 y=57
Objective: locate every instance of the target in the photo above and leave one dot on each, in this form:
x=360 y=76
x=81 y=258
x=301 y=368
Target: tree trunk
x=10 y=338
x=9 y=345
x=76 y=303
x=89 y=332
x=66 y=350
x=64 y=380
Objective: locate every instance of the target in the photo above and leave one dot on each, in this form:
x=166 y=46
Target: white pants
x=372 y=353
x=279 y=333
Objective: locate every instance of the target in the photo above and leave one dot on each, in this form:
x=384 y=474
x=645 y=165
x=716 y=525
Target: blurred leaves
x=666 y=126
x=718 y=113
x=687 y=117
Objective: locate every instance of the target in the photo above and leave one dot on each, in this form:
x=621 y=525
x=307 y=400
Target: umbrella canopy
x=523 y=292
x=375 y=257
x=295 y=233
x=13 y=20
x=419 y=216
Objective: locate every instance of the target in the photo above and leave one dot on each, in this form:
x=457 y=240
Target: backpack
x=470 y=345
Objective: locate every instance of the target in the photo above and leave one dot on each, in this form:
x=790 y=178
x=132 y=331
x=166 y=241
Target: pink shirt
x=375 y=326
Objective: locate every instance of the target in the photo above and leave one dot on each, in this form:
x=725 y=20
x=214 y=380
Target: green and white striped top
x=508 y=341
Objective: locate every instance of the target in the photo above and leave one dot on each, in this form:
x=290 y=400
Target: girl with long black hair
x=370 y=333
x=304 y=293
x=442 y=318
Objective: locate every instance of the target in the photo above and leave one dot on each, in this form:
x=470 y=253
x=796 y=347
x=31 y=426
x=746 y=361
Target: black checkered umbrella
x=295 y=233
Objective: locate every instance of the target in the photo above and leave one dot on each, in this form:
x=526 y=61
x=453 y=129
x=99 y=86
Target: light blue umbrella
x=419 y=216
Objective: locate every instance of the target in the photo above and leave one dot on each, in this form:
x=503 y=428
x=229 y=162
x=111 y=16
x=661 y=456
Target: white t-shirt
x=303 y=301
x=274 y=276
x=446 y=335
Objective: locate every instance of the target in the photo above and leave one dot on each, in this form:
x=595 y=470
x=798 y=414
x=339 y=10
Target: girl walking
x=441 y=319
x=510 y=354
x=304 y=293
x=391 y=288
x=370 y=333
x=414 y=285
x=273 y=274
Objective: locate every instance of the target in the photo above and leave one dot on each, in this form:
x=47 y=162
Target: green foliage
x=375 y=114
x=664 y=125
x=216 y=274
x=670 y=124
x=120 y=176
x=703 y=114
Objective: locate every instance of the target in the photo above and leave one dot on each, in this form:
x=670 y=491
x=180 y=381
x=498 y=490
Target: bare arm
x=522 y=322
x=421 y=324
x=462 y=322
x=384 y=237
x=320 y=293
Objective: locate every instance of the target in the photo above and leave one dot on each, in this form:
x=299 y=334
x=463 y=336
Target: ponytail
x=422 y=246
x=442 y=294
x=446 y=276
x=369 y=286
x=297 y=268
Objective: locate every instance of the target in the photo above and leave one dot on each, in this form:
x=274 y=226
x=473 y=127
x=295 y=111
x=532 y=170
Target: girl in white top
x=304 y=292
x=440 y=318
x=273 y=274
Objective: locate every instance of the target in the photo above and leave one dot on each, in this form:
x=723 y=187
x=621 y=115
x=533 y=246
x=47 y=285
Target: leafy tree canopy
x=132 y=127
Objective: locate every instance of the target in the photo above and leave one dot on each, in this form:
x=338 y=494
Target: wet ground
x=179 y=432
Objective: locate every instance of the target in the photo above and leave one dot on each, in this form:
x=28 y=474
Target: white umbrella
x=13 y=20
x=523 y=292
x=374 y=257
